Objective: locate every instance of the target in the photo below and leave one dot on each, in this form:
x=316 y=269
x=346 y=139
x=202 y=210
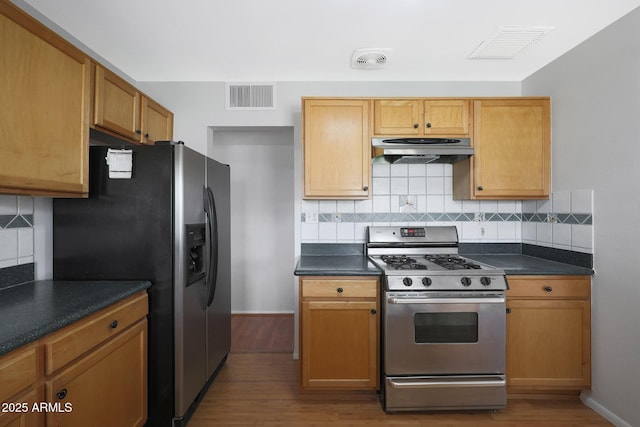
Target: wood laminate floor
x=258 y=386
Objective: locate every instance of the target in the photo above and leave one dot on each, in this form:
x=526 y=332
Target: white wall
x=262 y=224
x=596 y=144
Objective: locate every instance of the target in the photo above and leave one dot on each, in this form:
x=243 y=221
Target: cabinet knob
x=365 y=188
x=146 y=135
x=508 y=311
x=340 y=290
x=548 y=289
x=428 y=125
x=138 y=131
x=114 y=324
x=416 y=126
x=480 y=188
x=62 y=394
x=373 y=311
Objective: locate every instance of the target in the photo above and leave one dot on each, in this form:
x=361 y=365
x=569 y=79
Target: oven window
x=459 y=327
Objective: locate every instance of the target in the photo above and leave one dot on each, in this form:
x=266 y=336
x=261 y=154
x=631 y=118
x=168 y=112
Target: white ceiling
x=313 y=40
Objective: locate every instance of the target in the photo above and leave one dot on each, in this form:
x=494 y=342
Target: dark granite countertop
x=327 y=265
x=31 y=310
x=325 y=259
x=518 y=264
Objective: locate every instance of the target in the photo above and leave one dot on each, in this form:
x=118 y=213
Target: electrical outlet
x=311 y=217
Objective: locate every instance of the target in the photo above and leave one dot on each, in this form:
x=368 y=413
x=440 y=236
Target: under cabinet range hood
x=423 y=150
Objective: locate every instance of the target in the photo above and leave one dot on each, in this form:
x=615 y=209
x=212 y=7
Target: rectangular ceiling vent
x=509 y=41
x=251 y=96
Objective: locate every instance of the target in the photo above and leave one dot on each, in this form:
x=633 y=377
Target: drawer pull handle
x=114 y=324
x=340 y=290
x=548 y=289
x=62 y=394
x=373 y=311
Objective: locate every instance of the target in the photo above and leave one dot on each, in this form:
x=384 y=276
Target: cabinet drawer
x=71 y=342
x=18 y=370
x=549 y=287
x=339 y=288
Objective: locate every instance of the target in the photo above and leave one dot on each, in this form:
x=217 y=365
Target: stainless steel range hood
x=424 y=150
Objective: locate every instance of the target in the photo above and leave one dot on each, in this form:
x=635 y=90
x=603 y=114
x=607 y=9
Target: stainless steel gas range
x=443 y=322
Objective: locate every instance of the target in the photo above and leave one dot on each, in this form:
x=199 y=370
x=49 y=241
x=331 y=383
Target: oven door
x=444 y=333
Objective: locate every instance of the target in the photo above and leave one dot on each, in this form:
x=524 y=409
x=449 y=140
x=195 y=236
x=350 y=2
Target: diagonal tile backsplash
x=423 y=195
x=16 y=230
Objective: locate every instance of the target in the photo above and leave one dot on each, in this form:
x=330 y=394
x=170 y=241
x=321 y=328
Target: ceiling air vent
x=370 y=58
x=251 y=96
x=509 y=41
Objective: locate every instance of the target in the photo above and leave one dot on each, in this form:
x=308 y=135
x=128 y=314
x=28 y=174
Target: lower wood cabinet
x=90 y=373
x=339 y=333
x=548 y=334
x=19 y=389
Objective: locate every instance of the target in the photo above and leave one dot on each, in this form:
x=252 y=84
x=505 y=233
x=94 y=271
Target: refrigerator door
x=189 y=298
x=219 y=295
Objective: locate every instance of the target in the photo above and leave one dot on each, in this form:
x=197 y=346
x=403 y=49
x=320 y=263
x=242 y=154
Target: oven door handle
x=462 y=300
x=447 y=384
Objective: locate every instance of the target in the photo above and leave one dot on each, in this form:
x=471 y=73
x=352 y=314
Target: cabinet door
x=548 y=345
x=446 y=117
x=339 y=345
x=156 y=122
x=106 y=388
x=337 y=149
x=117 y=105
x=44 y=108
x=22 y=414
x=512 y=148
x=397 y=117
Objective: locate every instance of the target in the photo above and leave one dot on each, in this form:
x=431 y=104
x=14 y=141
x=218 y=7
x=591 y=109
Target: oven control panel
x=446 y=282
x=413 y=232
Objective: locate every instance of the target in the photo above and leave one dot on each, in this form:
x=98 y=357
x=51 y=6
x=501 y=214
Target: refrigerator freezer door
x=219 y=311
x=190 y=299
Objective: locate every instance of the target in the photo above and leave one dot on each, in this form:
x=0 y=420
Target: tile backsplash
x=16 y=230
x=423 y=195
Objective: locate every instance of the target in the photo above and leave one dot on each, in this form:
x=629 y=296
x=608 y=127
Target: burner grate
x=402 y=262
x=452 y=262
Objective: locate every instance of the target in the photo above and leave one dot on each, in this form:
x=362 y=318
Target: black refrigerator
x=165 y=219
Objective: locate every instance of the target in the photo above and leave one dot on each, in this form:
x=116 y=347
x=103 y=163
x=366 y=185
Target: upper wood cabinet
x=421 y=117
x=44 y=109
x=156 y=122
x=120 y=108
x=512 y=143
x=337 y=148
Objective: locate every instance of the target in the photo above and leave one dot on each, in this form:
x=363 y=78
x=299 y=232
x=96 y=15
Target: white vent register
x=250 y=96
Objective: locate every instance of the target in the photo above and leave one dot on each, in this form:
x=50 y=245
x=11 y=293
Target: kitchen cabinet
x=337 y=148
x=121 y=109
x=19 y=390
x=512 y=143
x=97 y=367
x=91 y=372
x=421 y=117
x=339 y=333
x=44 y=109
x=548 y=334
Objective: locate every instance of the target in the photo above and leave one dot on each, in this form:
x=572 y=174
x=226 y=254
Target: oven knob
x=466 y=282
x=486 y=281
x=426 y=281
x=407 y=281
